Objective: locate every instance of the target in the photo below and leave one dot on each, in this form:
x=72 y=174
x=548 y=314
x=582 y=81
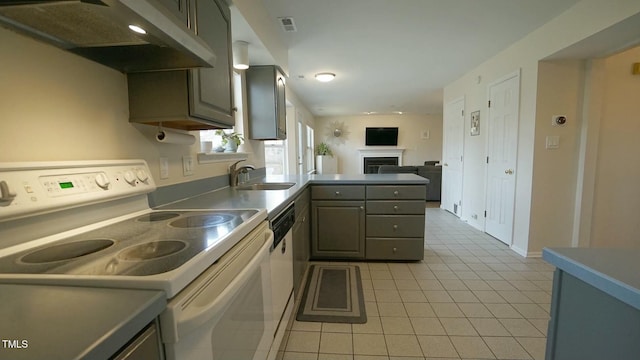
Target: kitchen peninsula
x=595 y=305
x=382 y=215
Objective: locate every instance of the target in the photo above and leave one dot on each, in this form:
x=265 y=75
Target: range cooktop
x=153 y=243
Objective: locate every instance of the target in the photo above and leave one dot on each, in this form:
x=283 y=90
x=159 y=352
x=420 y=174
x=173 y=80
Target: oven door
x=226 y=313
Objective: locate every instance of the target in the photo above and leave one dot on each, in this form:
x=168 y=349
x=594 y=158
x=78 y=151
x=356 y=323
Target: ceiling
x=391 y=56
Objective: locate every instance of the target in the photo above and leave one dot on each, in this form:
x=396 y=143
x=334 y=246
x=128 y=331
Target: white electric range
x=88 y=223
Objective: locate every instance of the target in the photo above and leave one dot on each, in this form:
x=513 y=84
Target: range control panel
x=32 y=188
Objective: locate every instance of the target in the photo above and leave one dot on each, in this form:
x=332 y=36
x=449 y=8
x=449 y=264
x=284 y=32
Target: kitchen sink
x=267 y=186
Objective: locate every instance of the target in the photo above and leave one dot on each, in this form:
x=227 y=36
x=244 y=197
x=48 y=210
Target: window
x=309 y=166
x=275 y=155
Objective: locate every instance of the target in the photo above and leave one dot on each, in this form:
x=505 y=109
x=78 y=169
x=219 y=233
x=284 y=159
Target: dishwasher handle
x=193 y=317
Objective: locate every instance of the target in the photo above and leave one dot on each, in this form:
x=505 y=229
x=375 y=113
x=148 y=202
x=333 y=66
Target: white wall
x=58 y=106
x=411 y=127
x=555 y=171
x=617 y=194
x=580 y=22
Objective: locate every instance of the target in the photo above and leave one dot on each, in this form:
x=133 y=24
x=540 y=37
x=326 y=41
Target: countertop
x=613 y=271
x=276 y=200
x=64 y=322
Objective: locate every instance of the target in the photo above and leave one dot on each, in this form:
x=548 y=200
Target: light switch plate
x=553 y=142
x=164 y=168
x=187 y=165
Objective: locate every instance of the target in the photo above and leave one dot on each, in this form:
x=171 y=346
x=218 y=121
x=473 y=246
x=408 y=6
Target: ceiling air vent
x=287 y=24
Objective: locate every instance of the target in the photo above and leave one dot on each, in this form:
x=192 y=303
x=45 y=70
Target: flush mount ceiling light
x=241 y=55
x=137 y=29
x=325 y=76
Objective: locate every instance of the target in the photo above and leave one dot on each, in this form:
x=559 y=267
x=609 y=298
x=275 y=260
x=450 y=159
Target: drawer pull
x=395 y=250
x=395 y=208
x=395 y=227
x=337 y=193
x=361 y=207
x=396 y=193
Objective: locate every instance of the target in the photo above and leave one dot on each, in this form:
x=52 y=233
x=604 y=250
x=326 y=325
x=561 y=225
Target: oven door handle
x=194 y=316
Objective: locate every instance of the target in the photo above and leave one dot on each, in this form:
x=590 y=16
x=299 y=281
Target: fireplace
x=372 y=157
x=371 y=164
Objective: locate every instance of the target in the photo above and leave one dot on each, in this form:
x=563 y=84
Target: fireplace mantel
x=379 y=152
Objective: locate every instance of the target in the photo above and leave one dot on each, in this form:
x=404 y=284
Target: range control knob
x=102 y=180
x=142 y=175
x=129 y=177
x=5 y=192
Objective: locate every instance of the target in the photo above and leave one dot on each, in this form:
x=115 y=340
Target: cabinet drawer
x=338 y=192
x=395 y=226
x=417 y=192
x=400 y=207
x=395 y=249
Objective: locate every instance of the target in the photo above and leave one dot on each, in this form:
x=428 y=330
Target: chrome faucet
x=235 y=171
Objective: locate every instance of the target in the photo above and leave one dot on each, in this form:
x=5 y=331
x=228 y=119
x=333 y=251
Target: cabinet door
x=178 y=8
x=211 y=95
x=281 y=106
x=338 y=229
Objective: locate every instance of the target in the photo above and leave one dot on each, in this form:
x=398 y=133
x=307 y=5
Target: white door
x=453 y=144
x=504 y=98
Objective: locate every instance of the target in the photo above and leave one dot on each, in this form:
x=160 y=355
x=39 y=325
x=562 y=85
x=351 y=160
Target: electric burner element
x=157 y=216
x=205 y=220
x=152 y=250
x=66 y=251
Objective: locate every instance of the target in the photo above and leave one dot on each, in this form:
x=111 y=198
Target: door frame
x=444 y=153
x=517 y=73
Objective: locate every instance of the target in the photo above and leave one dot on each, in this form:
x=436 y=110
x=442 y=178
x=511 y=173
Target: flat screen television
x=381 y=136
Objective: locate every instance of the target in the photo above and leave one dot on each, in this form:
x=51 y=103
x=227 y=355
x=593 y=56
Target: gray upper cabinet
x=266 y=100
x=190 y=99
x=178 y=8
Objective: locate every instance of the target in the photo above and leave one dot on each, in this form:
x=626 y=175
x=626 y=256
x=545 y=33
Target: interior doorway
x=502 y=148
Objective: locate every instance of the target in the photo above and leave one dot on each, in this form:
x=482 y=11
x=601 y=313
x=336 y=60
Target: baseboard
x=519 y=251
x=525 y=253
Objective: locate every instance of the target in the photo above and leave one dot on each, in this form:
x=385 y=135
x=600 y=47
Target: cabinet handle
x=395 y=193
x=395 y=227
x=304 y=218
x=361 y=207
x=284 y=246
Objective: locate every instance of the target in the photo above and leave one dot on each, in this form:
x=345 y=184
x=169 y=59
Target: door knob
x=445 y=164
x=508 y=171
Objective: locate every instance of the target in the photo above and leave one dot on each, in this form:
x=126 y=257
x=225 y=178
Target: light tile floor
x=471 y=298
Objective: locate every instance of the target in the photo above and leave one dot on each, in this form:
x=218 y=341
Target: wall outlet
x=164 y=168
x=187 y=165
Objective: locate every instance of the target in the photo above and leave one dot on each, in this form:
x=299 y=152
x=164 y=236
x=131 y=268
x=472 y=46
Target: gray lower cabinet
x=589 y=324
x=338 y=229
x=373 y=222
x=338 y=226
x=395 y=222
x=193 y=99
x=301 y=240
x=145 y=345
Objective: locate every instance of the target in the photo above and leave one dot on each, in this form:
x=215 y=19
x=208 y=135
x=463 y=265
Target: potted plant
x=323 y=149
x=325 y=162
x=230 y=141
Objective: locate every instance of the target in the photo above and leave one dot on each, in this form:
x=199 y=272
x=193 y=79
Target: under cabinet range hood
x=100 y=31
